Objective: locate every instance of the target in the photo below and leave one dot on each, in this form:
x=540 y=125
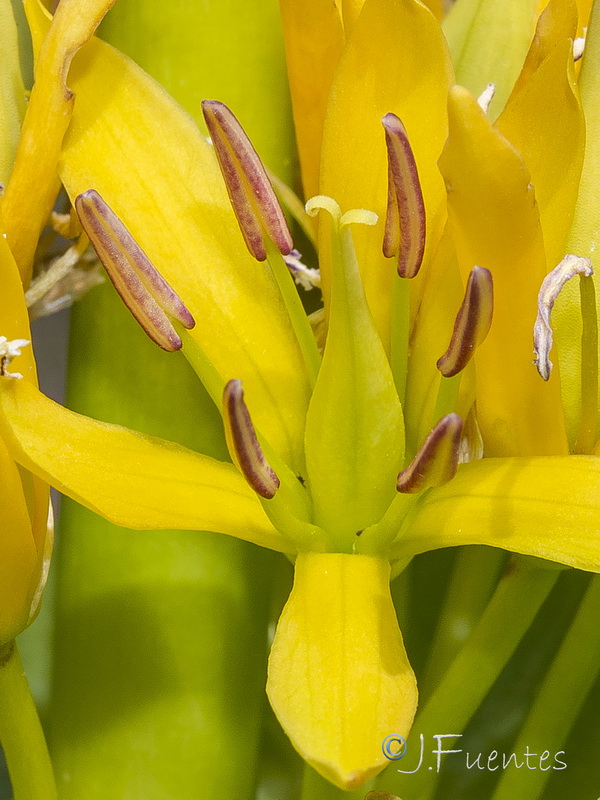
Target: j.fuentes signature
x=394 y=747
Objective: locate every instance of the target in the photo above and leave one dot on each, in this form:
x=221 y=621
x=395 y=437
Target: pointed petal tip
x=337 y=651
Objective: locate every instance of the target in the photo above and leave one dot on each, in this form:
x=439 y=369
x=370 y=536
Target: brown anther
x=252 y=196
x=436 y=462
x=405 y=218
x=243 y=443
x=151 y=300
x=472 y=323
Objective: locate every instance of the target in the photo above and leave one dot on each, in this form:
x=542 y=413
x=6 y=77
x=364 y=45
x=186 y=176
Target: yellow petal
x=14 y=324
x=18 y=552
x=129 y=478
x=33 y=185
x=382 y=70
x=489 y=41
x=544 y=121
x=557 y=22
x=131 y=142
x=436 y=7
x=12 y=91
x=584 y=7
x=350 y=12
x=339 y=679
x=14 y=320
x=495 y=224
x=545 y=507
x=314 y=39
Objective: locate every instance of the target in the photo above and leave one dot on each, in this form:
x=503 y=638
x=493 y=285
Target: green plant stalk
x=475 y=576
x=21 y=734
x=515 y=603
x=161 y=636
x=559 y=701
x=228 y=50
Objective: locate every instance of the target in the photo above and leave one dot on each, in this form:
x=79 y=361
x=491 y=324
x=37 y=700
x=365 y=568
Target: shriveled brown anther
x=551 y=287
x=253 y=199
x=472 y=323
x=405 y=218
x=436 y=462
x=243 y=443
x=151 y=300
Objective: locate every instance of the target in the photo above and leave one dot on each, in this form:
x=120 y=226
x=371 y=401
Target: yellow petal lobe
x=558 y=21
x=495 y=224
x=339 y=678
x=133 y=144
x=129 y=478
x=314 y=40
x=34 y=183
x=12 y=91
x=544 y=122
x=381 y=71
x=545 y=507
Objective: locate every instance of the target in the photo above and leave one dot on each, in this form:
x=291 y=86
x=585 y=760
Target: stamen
x=252 y=197
x=436 y=462
x=486 y=97
x=144 y=291
x=243 y=442
x=472 y=323
x=578 y=47
x=550 y=289
x=405 y=219
x=10 y=349
x=304 y=276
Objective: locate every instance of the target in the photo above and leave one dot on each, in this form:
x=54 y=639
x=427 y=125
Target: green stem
x=586 y=438
x=475 y=576
x=558 y=702
x=447 y=398
x=21 y=733
x=512 y=609
x=314 y=787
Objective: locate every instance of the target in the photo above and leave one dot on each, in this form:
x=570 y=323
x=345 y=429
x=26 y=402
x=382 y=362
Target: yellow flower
x=375 y=415
x=26 y=541
x=26 y=163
